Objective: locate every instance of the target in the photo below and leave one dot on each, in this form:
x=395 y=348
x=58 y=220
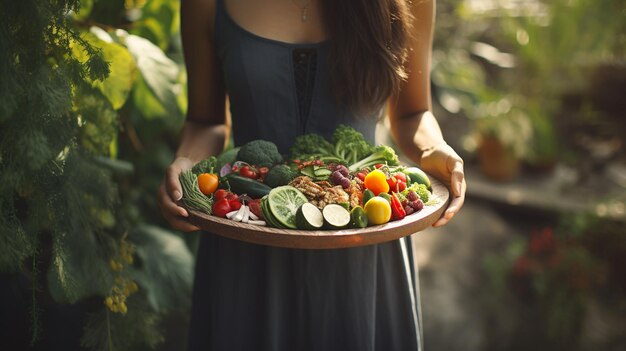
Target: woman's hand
x=171 y=191
x=445 y=164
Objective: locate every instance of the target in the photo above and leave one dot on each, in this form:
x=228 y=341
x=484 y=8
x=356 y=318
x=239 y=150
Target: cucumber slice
x=267 y=214
x=283 y=203
x=309 y=217
x=336 y=216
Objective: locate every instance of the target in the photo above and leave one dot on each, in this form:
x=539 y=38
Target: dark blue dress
x=253 y=297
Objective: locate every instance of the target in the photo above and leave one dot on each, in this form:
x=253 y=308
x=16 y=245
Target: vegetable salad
x=340 y=183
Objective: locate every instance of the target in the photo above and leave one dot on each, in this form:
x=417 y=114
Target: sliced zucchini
x=336 y=216
x=309 y=217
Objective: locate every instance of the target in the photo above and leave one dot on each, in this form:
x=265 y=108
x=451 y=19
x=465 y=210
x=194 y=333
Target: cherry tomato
x=220 y=194
x=221 y=207
x=207 y=182
x=263 y=170
x=400 y=176
x=235 y=204
x=232 y=196
x=378 y=165
x=248 y=172
x=401 y=186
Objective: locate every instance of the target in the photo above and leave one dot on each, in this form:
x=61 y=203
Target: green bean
x=193 y=198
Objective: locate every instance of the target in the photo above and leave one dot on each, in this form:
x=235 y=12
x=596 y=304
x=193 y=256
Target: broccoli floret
x=350 y=145
x=279 y=175
x=420 y=189
x=205 y=166
x=261 y=153
x=382 y=154
x=313 y=147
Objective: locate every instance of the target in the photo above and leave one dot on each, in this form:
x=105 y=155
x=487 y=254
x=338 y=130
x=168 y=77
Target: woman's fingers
x=172 y=184
x=453 y=208
x=170 y=192
x=457 y=178
x=179 y=224
x=458 y=187
x=173 y=213
x=168 y=206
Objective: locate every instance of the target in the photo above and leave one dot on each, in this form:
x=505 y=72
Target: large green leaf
x=165 y=267
x=146 y=102
x=123 y=70
x=160 y=75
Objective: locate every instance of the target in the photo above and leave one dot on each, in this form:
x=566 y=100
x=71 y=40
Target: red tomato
x=220 y=194
x=235 y=204
x=248 y=172
x=232 y=196
x=221 y=207
x=400 y=176
x=361 y=175
x=401 y=186
x=378 y=165
x=263 y=170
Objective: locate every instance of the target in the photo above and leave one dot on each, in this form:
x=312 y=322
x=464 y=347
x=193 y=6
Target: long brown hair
x=368 y=50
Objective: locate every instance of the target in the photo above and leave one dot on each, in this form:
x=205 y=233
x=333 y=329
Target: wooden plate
x=327 y=239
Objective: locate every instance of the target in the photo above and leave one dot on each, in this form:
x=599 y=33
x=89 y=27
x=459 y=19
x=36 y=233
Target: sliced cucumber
x=267 y=214
x=336 y=216
x=322 y=173
x=309 y=217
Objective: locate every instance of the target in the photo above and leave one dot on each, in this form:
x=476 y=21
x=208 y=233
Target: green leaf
x=159 y=72
x=147 y=103
x=123 y=71
x=165 y=268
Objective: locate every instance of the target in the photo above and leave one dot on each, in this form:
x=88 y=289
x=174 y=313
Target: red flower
x=542 y=242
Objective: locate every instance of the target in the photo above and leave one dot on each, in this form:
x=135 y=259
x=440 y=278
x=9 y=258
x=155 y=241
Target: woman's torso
x=279 y=89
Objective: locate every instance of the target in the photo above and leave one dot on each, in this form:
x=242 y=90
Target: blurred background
x=531 y=93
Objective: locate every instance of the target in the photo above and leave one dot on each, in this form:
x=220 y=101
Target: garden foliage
x=77 y=84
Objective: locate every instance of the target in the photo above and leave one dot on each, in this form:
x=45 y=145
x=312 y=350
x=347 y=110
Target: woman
x=291 y=67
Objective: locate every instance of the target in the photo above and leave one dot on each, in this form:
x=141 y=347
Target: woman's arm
x=413 y=126
x=204 y=132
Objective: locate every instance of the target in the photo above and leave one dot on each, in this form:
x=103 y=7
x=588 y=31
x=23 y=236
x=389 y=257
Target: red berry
x=417 y=205
x=408 y=209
